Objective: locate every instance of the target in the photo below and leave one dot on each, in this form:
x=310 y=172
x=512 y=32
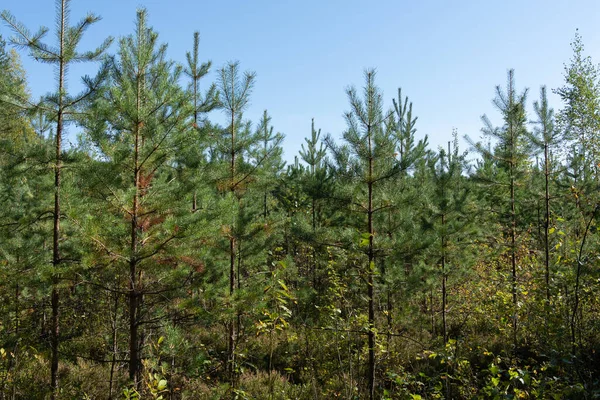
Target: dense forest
x=167 y=256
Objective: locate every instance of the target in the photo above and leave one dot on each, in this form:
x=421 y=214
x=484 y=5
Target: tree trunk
x=134 y=275
x=232 y=256
x=134 y=357
x=513 y=234
x=56 y=259
x=444 y=282
x=578 y=282
x=113 y=361
x=547 y=223
x=371 y=272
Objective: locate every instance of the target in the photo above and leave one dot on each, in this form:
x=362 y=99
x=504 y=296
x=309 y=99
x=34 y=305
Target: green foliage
x=194 y=265
x=196 y=71
x=14 y=95
x=579 y=119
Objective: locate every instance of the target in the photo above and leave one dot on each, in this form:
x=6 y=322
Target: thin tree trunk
x=388 y=288
x=577 y=282
x=195 y=86
x=270 y=375
x=171 y=373
x=232 y=254
x=56 y=259
x=513 y=234
x=16 y=348
x=433 y=330
x=547 y=223
x=371 y=272
x=444 y=282
x=314 y=249
x=134 y=276
x=115 y=348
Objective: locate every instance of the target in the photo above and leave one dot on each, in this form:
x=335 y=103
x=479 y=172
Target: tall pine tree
x=62 y=54
x=140 y=123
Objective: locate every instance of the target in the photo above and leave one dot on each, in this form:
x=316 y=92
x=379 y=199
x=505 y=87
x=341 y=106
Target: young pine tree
x=509 y=157
x=316 y=183
x=140 y=123
x=366 y=162
x=62 y=54
x=234 y=93
x=266 y=155
x=195 y=71
x=194 y=156
x=448 y=218
x=546 y=139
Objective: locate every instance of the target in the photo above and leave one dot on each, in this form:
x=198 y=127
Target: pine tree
x=25 y=194
x=448 y=217
x=317 y=185
x=62 y=55
x=196 y=71
x=235 y=93
x=404 y=127
x=546 y=140
x=510 y=158
x=314 y=155
x=367 y=161
x=139 y=125
x=14 y=125
x=403 y=202
x=25 y=190
x=267 y=154
x=202 y=104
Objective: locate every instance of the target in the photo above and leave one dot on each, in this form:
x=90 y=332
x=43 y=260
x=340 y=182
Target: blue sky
x=447 y=56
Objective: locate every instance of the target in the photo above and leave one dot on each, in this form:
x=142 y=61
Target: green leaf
x=494 y=369
x=282 y=284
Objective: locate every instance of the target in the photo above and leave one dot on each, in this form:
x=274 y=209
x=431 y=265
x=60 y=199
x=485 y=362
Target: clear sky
x=446 y=55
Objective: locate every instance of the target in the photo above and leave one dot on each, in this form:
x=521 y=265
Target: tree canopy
x=166 y=255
